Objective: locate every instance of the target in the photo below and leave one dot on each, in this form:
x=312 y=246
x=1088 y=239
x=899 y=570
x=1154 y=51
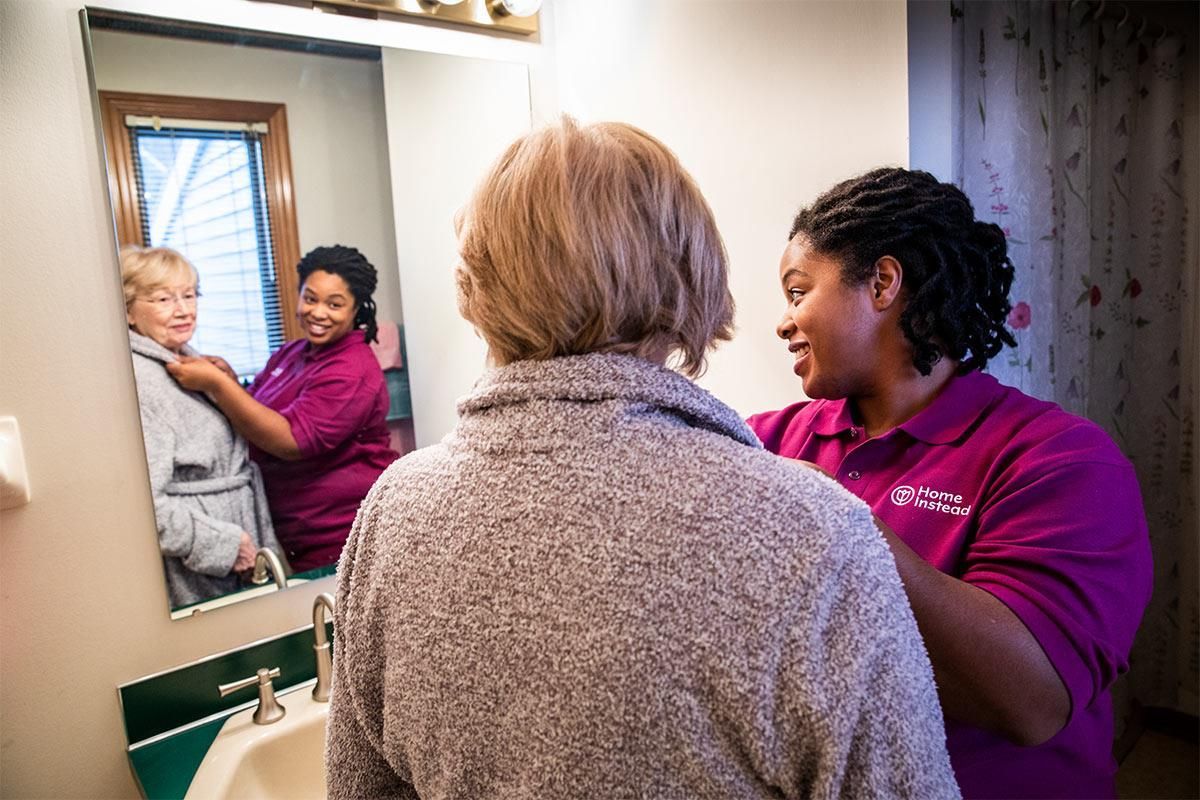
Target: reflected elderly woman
x=600 y=584
x=209 y=502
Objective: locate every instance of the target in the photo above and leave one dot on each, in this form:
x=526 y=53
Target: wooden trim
x=281 y=199
x=277 y=174
x=122 y=183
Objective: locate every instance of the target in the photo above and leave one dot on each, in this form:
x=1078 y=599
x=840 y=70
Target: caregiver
x=1018 y=529
x=316 y=413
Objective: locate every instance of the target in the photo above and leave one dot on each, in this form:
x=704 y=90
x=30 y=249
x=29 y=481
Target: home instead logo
x=924 y=497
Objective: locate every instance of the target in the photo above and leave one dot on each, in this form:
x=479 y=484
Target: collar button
x=853 y=433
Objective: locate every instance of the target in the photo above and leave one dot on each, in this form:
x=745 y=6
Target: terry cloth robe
x=600 y=585
x=206 y=490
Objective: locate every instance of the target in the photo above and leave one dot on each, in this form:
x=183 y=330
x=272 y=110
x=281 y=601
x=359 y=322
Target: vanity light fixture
x=515 y=8
x=511 y=16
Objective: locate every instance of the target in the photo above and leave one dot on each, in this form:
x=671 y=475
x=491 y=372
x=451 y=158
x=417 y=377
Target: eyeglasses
x=165 y=300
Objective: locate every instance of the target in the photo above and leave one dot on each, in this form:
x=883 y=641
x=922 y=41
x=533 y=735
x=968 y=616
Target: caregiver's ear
x=886 y=282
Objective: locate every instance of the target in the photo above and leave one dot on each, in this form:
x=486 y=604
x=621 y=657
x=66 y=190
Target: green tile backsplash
x=177 y=697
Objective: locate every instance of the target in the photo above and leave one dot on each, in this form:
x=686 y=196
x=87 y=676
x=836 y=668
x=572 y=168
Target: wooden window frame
x=277 y=174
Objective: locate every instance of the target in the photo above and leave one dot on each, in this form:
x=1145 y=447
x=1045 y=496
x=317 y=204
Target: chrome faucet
x=321 y=603
x=264 y=559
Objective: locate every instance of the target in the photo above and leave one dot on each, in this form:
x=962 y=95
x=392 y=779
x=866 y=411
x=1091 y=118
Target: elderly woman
x=600 y=584
x=208 y=497
x=317 y=412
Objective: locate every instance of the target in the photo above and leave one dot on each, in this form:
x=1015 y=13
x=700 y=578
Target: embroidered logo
x=932 y=499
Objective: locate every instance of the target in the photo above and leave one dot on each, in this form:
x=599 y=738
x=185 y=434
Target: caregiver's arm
x=263 y=427
x=990 y=670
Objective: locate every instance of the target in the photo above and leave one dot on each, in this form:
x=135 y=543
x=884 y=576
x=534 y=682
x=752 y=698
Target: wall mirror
x=241 y=152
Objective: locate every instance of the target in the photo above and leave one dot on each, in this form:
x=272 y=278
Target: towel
x=387 y=349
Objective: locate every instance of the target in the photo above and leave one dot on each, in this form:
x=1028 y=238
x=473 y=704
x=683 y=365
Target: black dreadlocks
x=352 y=267
x=956 y=269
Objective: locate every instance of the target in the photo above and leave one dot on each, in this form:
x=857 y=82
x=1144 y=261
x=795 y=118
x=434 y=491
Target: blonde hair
x=589 y=239
x=145 y=269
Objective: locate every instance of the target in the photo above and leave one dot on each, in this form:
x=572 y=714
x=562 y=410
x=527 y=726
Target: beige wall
x=767 y=103
x=336 y=129
x=85 y=606
x=766 y=106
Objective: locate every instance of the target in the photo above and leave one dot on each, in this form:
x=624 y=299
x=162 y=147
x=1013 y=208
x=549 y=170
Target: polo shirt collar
x=954 y=410
x=944 y=420
x=832 y=418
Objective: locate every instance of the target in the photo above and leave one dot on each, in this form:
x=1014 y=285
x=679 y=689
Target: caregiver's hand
x=222 y=365
x=197 y=374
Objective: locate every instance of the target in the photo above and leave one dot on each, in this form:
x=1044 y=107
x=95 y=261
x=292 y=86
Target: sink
x=282 y=760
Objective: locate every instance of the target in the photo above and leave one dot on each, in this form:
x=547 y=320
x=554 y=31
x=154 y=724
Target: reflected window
x=212 y=179
x=201 y=192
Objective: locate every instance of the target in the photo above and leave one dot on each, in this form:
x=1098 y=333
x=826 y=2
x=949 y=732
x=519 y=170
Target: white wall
x=767 y=103
x=463 y=113
x=336 y=128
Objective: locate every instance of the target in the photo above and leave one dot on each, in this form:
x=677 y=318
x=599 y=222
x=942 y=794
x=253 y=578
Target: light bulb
x=516 y=8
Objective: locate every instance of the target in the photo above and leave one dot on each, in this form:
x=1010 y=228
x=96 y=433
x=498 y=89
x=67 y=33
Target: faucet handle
x=229 y=688
x=269 y=710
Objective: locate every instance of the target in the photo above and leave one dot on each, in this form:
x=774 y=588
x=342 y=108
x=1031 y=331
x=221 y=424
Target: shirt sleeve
x=1067 y=550
x=333 y=405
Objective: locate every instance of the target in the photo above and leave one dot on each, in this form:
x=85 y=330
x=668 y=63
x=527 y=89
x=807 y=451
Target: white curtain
x=1071 y=138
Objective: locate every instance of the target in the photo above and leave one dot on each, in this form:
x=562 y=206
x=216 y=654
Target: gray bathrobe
x=599 y=585
x=206 y=490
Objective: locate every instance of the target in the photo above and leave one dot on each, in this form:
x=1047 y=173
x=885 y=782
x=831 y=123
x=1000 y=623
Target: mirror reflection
x=258 y=261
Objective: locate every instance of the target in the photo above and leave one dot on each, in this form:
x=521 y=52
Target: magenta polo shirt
x=1030 y=503
x=336 y=401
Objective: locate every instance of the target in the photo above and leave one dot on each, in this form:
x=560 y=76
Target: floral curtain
x=1071 y=139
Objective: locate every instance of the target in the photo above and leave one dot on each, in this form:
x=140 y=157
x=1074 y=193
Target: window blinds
x=202 y=191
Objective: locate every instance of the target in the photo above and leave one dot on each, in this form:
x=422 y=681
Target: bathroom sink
x=282 y=760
